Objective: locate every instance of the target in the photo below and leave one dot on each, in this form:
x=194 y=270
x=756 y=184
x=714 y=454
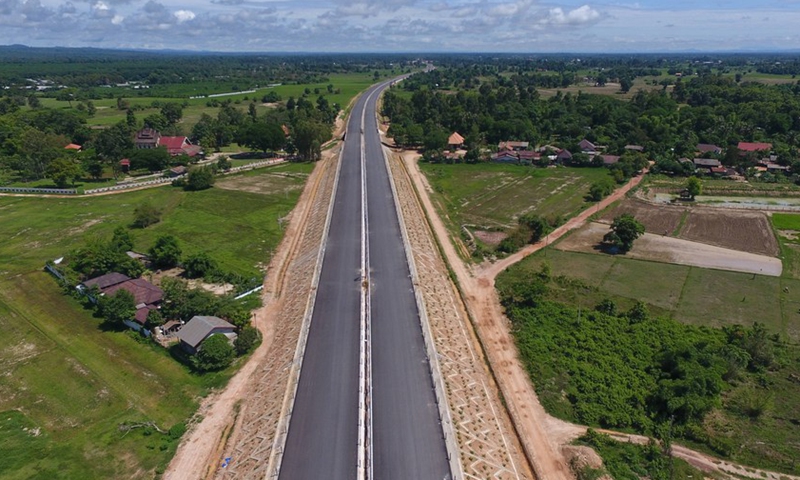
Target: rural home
x=609 y=159
x=564 y=156
x=177 y=171
x=201 y=327
x=151 y=138
x=455 y=141
x=587 y=147
x=505 y=156
x=514 y=146
x=146 y=296
x=704 y=148
x=706 y=164
x=73 y=146
x=635 y=148
x=747 y=147
x=527 y=157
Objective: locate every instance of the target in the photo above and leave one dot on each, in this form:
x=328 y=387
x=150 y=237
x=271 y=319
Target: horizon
x=405 y=26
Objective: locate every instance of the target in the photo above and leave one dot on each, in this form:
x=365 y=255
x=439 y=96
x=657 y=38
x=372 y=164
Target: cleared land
x=70 y=382
x=737 y=230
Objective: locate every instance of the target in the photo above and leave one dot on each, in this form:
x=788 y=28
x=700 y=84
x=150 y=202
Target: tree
x=155 y=318
x=199 y=265
x=172 y=112
x=624 y=230
x=694 y=186
x=64 y=171
x=625 y=84
x=122 y=240
x=537 y=225
x=152 y=159
x=224 y=163
x=112 y=143
x=215 y=353
x=165 y=253
x=199 y=179
x=247 y=339
x=95 y=169
x=262 y=136
x=600 y=189
x=118 y=307
x=146 y=214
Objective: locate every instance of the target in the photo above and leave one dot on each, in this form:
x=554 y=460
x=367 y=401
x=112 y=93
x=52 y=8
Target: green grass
x=786 y=221
x=691 y=295
x=494 y=195
x=65 y=373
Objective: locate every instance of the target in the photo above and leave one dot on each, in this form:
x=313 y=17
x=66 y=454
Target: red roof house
x=754 y=147
x=144 y=293
x=178 y=146
x=73 y=146
x=455 y=140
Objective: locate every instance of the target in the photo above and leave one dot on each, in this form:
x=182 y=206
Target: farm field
x=722 y=187
x=493 y=196
x=745 y=231
x=70 y=382
x=693 y=295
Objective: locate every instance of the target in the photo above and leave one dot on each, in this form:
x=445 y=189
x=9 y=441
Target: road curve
x=323 y=436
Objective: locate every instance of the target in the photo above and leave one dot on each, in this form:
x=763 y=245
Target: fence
x=49 y=191
x=126 y=186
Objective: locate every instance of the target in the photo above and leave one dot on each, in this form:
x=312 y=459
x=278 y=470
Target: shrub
x=145 y=215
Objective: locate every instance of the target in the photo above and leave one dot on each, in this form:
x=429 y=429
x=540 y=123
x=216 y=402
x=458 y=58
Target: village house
x=151 y=138
x=609 y=159
x=704 y=148
x=513 y=146
x=200 y=327
x=505 y=156
x=634 y=148
x=146 y=296
x=455 y=141
x=564 y=156
x=706 y=164
x=587 y=147
x=747 y=147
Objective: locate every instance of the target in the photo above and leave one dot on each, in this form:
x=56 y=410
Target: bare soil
x=490 y=238
x=666 y=249
x=656 y=219
x=738 y=230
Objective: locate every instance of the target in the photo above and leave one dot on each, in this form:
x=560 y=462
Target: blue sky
x=405 y=25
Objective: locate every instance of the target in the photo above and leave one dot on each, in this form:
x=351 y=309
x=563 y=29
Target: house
x=587 y=147
x=527 y=157
x=125 y=165
x=609 y=159
x=703 y=148
x=635 y=148
x=146 y=296
x=506 y=156
x=706 y=163
x=286 y=131
x=73 y=146
x=746 y=147
x=172 y=327
x=178 y=171
x=514 y=146
x=564 y=156
x=179 y=146
x=455 y=141
x=201 y=327
x=146 y=138
x=104 y=281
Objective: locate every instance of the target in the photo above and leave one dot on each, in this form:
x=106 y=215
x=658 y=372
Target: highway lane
x=322 y=440
x=323 y=433
x=408 y=442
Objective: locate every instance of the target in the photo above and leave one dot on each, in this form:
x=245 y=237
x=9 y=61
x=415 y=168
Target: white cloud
x=184 y=15
x=579 y=16
x=117 y=20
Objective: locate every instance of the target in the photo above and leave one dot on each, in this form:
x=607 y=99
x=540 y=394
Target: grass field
x=689 y=294
x=75 y=381
x=349 y=85
x=713 y=186
x=495 y=195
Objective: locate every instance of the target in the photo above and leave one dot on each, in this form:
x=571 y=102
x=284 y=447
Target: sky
x=528 y=26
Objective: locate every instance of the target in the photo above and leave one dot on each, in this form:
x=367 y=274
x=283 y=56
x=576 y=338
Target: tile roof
x=199 y=327
x=144 y=292
x=455 y=139
x=707 y=147
x=754 y=146
x=107 y=280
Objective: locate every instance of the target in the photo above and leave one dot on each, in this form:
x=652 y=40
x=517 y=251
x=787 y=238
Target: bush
x=199 y=179
x=166 y=252
x=216 y=353
x=248 y=338
x=199 y=265
x=145 y=215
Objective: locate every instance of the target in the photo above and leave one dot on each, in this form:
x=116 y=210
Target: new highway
x=365 y=404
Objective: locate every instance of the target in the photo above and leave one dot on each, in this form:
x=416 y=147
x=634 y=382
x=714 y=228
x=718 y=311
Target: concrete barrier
x=48 y=191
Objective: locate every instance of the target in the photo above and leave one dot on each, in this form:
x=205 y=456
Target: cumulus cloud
x=510 y=9
x=35 y=11
x=8 y=6
x=579 y=16
x=184 y=15
x=117 y=19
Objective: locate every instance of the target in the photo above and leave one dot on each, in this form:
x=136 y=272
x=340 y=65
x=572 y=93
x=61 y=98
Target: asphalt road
x=407 y=437
x=322 y=442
